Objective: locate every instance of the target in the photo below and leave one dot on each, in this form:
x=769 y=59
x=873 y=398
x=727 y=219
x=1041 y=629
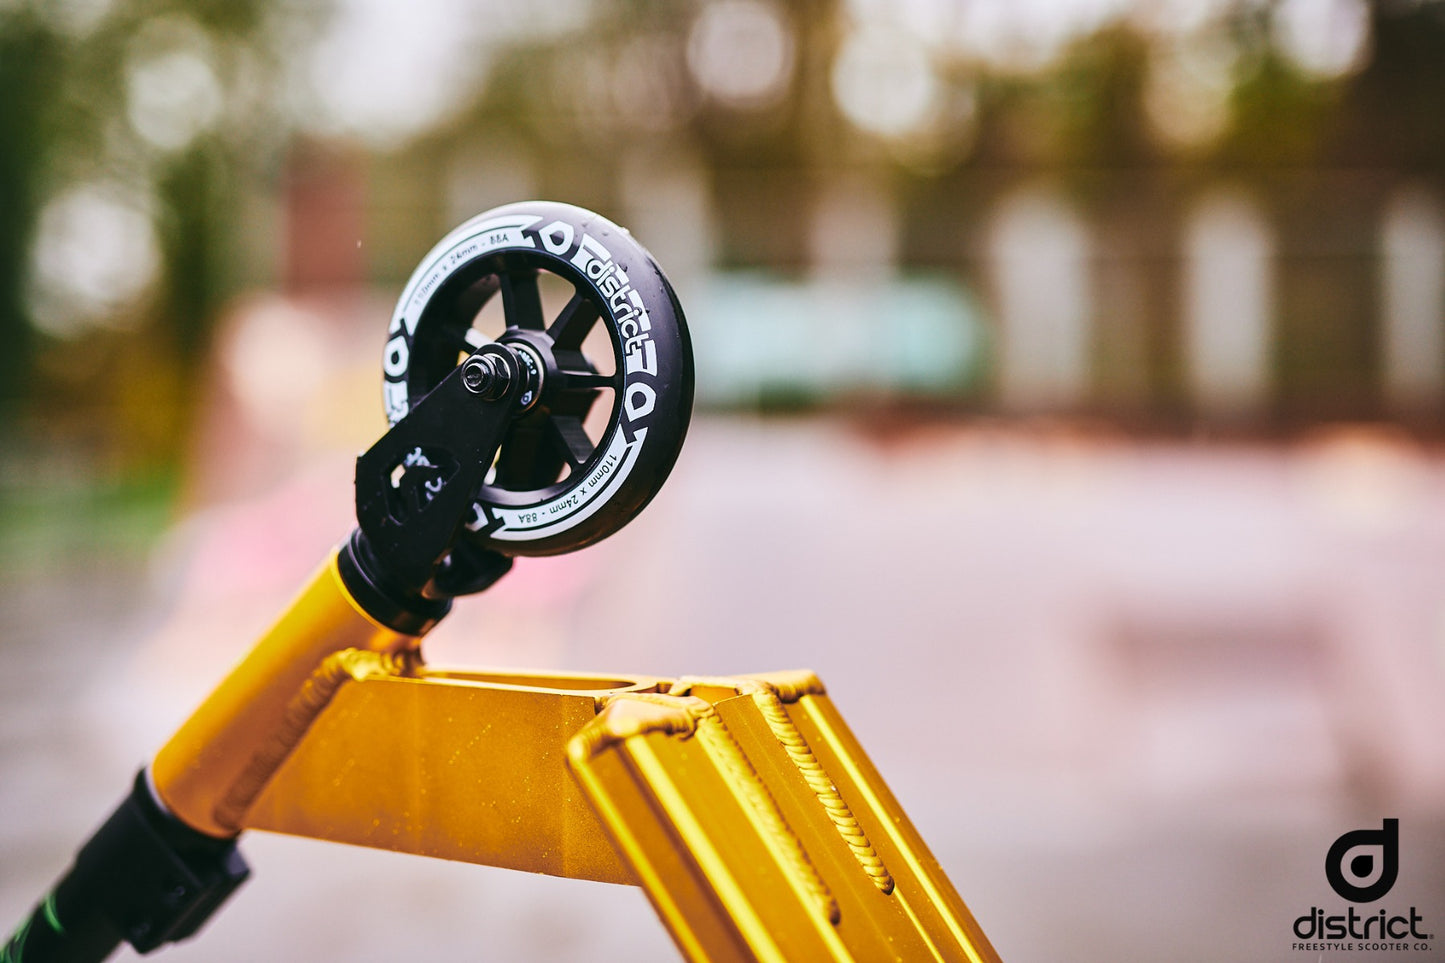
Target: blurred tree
x=135 y=131
x=1393 y=113
x=33 y=59
x=766 y=106
x=1096 y=100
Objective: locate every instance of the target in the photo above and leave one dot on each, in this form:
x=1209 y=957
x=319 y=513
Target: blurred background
x=1071 y=382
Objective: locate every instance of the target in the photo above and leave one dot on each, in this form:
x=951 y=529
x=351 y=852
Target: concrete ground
x=1129 y=692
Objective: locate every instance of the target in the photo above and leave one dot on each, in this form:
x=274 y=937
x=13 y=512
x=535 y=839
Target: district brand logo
x=1362 y=864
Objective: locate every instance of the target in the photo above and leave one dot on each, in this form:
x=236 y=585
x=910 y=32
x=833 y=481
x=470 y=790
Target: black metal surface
x=416 y=486
x=144 y=878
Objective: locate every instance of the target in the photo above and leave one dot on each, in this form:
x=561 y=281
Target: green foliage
x=67 y=120
x=32 y=65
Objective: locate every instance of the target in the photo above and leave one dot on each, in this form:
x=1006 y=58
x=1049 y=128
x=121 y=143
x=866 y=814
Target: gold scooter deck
x=760 y=829
x=743 y=806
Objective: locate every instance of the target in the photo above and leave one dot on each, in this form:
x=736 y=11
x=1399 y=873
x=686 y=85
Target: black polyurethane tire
x=525 y=508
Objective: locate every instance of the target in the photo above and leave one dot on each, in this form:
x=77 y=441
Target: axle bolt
x=487 y=375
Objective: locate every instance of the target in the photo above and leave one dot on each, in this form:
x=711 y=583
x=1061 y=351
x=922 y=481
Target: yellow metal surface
x=216 y=758
x=743 y=806
x=460 y=765
x=761 y=831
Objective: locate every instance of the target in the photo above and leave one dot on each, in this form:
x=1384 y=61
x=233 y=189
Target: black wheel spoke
x=467 y=340
x=526 y=462
x=570 y=440
x=573 y=323
x=591 y=379
x=521 y=301
x=473 y=298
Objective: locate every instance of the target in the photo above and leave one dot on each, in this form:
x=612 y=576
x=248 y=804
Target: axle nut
x=487 y=375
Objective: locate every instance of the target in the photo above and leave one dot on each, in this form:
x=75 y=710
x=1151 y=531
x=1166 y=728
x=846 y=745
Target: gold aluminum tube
x=211 y=752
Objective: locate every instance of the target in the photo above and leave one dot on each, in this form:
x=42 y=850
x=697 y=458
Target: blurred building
x=1225 y=213
x=1231 y=214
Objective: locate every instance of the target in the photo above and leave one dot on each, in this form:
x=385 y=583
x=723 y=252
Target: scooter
x=744 y=806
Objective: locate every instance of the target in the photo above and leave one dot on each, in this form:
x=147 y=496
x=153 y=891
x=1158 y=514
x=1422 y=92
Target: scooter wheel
x=609 y=373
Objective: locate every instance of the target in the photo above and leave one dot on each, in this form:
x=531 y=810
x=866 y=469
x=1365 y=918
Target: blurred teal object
x=761 y=338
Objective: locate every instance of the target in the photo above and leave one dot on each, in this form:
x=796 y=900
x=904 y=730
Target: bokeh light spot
x=884 y=83
x=389 y=71
x=740 y=53
x=1186 y=94
x=1328 y=38
x=174 y=96
x=95 y=252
